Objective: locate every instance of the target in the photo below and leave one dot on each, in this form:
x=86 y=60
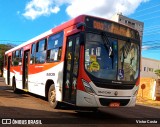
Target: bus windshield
x=110 y=58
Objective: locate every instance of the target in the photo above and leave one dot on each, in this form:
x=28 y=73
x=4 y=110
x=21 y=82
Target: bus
x=86 y=62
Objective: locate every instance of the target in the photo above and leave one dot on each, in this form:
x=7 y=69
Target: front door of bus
x=71 y=69
x=25 y=69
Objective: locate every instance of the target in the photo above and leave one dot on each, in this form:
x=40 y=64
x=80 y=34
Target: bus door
x=8 y=70
x=25 y=69
x=71 y=69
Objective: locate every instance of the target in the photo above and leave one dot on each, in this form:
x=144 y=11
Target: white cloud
x=37 y=8
x=146 y=47
x=102 y=8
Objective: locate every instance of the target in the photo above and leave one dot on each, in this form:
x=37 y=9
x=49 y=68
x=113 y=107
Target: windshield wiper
x=125 y=50
x=107 y=44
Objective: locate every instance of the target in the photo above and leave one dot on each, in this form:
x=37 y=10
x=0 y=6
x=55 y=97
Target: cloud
x=151 y=46
x=146 y=47
x=102 y=8
x=37 y=8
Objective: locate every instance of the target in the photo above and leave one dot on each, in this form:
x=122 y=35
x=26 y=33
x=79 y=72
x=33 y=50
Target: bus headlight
x=87 y=87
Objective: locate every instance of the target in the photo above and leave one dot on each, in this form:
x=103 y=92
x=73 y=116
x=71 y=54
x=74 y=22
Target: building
x=149 y=83
x=135 y=24
x=148 y=66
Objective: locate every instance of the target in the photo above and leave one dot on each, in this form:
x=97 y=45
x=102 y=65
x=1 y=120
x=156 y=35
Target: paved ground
x=148 y=102
x=26 y=106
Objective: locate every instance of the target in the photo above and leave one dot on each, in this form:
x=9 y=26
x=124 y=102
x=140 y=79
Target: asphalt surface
x=24 y=109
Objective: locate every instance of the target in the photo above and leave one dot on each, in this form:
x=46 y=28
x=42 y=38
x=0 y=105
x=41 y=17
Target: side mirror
x=81 y=25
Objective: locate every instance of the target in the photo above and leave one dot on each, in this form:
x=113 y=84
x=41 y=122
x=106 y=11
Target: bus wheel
x=52 y=97
x=15 y=90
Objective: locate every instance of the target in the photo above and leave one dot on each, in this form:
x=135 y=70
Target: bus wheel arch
x=47 y=86
x=50 y=93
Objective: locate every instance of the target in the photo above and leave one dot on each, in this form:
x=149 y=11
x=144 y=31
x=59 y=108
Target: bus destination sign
x=111 y=27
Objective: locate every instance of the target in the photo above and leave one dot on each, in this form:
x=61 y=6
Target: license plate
x=114 y=104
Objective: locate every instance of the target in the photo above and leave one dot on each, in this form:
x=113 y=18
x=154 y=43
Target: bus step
x=26 y=90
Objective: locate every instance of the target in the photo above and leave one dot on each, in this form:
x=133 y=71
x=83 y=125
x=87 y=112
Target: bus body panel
x=5 y=75
x=89 y=100
x=37 y=81
x=113 y=92
x=85 y=100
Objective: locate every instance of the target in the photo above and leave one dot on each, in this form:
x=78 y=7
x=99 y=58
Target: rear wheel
x=15 y=90
x=52 y=97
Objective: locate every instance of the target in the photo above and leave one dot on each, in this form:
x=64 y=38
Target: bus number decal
x=50 y=74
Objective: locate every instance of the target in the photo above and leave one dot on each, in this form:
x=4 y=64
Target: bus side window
x=41 y=51
x=54 y=49
x=15 y=58
x=32 y=58
x=20 y=56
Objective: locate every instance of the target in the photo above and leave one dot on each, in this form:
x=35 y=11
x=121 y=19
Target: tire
x=15 y=90
x=52 y=97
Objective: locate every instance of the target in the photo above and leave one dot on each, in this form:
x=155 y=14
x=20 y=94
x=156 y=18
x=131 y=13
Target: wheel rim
x=53 y=96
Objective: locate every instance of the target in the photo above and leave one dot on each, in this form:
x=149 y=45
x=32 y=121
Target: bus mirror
x=80 y=25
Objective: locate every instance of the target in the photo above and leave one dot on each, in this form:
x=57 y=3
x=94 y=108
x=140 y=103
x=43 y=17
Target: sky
x=22 y=20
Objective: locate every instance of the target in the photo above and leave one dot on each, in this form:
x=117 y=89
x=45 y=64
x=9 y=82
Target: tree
x=3 y=48
x=157 y=72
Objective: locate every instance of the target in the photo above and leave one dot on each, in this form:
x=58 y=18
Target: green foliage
x=157 y=72
x=3 y=49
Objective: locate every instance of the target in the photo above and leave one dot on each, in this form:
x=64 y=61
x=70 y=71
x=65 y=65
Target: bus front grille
x=106 y=102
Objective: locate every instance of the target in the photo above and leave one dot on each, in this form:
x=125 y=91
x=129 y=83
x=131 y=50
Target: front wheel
x=52 y=97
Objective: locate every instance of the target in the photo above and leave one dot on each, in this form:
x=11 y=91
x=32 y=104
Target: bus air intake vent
x=106 y=102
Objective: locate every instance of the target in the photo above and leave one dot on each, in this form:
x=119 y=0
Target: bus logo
x=6 y=121
x=115 y=93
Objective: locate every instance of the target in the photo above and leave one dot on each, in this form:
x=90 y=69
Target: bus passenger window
x=54 y=48
x=20 y=56
x=41 y=51
x=32 y=58
x=15 y=58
